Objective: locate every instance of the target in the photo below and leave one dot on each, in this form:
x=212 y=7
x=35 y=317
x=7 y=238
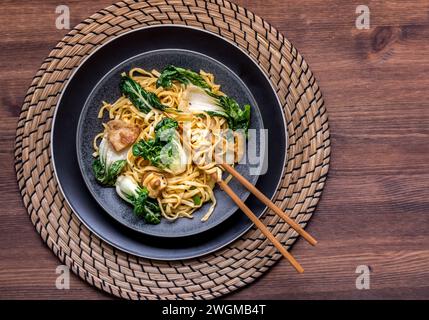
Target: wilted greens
x=143 y=100
x=144 y=206
x=238 y=118
x=108 y=165
x=181 y=75
x=165 y=151
x=201 y=97
x=197 y=200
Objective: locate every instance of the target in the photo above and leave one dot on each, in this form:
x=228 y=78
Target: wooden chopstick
x=269 y=204
x=258 y=224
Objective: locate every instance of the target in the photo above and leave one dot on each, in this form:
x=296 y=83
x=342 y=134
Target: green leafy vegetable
x=165 y=151
x=144 y=206
x=181 y=75
x=237 y=118
x=197 y=200
x=201 y=98
x=218 y=105
x=152 y=149
x=107 y=176
x=108 y=165
x=165 y=129
x=143 y=100
x=148 y=150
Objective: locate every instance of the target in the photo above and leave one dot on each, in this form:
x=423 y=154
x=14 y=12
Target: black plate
x=89 y=126
x=77 y=92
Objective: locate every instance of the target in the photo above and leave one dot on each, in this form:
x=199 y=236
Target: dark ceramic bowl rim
x=106 y=239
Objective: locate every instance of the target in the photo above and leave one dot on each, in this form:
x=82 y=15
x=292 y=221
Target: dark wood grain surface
x=375 y=205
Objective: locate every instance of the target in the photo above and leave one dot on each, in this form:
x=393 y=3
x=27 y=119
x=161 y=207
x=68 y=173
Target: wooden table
x=375 y=205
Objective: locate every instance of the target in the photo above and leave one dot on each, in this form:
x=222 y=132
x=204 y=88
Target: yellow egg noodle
x=175 y=193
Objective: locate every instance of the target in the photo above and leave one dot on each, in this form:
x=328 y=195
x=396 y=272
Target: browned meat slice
x=155 y=183
x=121 y=134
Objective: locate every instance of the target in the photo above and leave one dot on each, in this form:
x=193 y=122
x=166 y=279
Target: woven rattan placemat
x=215 y=274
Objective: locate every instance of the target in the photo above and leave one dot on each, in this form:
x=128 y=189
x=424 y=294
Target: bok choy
x=165 y=151
x=200 y=97
x=144 y=207
x=109 y=164
x=217 y=105
x=181 y=75
x=143 y=100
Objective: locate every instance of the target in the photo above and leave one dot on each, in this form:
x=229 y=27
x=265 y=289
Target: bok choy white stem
x=109 y=164
x=129 y=190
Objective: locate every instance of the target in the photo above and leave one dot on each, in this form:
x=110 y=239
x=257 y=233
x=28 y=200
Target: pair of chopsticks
x=222 y=184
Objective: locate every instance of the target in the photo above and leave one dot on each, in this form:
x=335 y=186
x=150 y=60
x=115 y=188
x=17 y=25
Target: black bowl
x=116 y=54
x=89 y=126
